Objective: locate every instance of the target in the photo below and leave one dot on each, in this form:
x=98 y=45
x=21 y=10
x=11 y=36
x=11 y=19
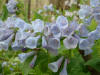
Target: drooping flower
x=21 y=24
x=45 y=7
x=50 y=7
x=5 y=33
x=24 y=56
x=98 y=28
x=97 y=17
x=87 y=52
x=4 y=64
x=54 y=66
x=5 y=43
x=83 y=32
x=1 y=23
x=84 y=11
x=94 y=3
x=11 y=6
x=47 y=30
x=51 y=44
x=55 y=31
x=54 y=43
x=44 y=42
x=20 y=38
x=94 y=35
x=40 y=11
x=15 y=45
x=10 y=22
x=64 y=70
x=38 y=25
x=69 y=31
x=31 y=42
x=70 y=42
x=62 y=22
x=86 y=44
x=32 y=63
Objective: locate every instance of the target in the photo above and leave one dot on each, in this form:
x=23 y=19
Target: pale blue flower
x=70 y=42
x=11 y=6
x=50 y=7
x=5 y=43
x=55 y=31
x=38 y=25
x=97 y=17
x=54 y=66
x=10 y=22
x=94 y=35
x=83 y=31
x=86 y=44
x=5 y=33
x=24 y=56
x=4 y=64
x=62 y=22
x=1 y=23
x=31 y=42
x=44 y=42
x=54 y=43
x=64 y=70
x=94 y=3
x=84 y=11
x=32 y=63
x=87 y=52
x=66 y=32
x=40 y=11
x=47 y=30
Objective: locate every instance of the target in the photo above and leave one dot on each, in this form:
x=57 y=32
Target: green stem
x=70 y=53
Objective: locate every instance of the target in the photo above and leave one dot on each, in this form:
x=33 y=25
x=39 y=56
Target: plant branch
x=29 y=9
x=6 y=1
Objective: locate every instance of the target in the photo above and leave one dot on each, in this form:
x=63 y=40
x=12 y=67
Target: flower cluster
x=49 y=7
x=20 y=35
x=11 y=6
x=87 y=14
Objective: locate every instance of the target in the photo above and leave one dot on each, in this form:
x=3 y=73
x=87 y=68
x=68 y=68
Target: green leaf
x=24 y=67
x=4 y=13
x=42 y=61
x=37 y=16
x=95 y=63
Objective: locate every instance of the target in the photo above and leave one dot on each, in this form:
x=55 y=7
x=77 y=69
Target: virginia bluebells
x=19 y=34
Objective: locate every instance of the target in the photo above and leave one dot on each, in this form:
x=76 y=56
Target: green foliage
x=76 y=65
x=93 y=25
x=37 y=16
x=0 y=67
x=95 y=63
x=21 y=11
x=24 y=67
x=4 y=13
x=20 y=7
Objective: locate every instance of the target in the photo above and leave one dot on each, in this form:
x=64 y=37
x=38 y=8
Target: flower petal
x=70 y=43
